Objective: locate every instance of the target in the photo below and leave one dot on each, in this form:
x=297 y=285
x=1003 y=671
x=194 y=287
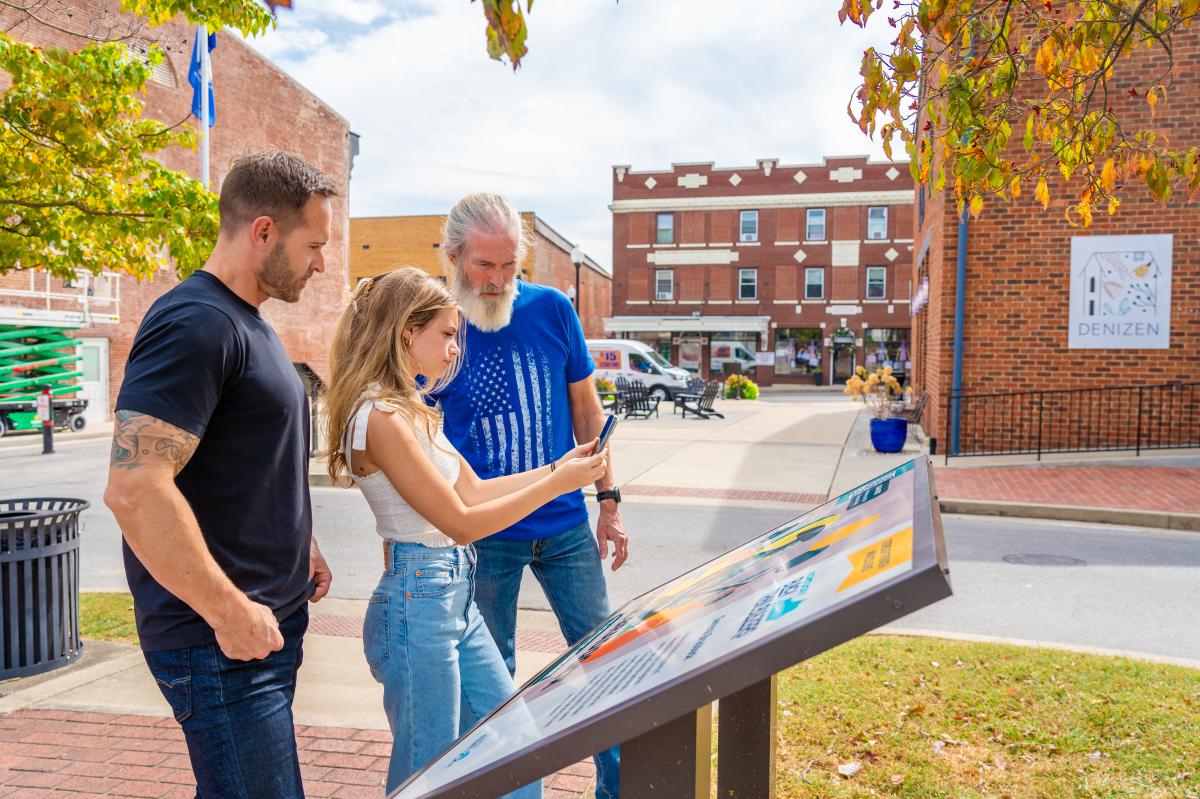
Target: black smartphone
x=610 y=424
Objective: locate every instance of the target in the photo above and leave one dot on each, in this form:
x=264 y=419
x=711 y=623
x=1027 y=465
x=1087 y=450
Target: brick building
x=380 y=243
x=805 y=266
x=1037 y=316
x=257 y=106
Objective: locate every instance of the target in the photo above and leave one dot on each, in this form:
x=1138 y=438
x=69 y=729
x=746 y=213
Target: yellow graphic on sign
x=878 y=558
x=844 y=532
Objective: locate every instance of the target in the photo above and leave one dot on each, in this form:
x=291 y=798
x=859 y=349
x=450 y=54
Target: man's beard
x=277 y=275
x=488 y=312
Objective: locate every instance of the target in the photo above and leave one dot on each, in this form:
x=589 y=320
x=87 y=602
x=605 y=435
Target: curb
x=1163 y=520
x=1127 y=517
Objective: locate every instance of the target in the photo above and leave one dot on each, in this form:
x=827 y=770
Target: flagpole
x=205 y=82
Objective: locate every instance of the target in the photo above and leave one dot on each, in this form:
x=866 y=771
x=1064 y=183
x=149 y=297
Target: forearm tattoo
x=141 y=440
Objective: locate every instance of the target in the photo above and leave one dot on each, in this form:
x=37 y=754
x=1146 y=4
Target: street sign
x=866 y=558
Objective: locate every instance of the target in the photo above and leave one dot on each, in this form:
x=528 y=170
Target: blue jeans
x=568 y=568
x=427 y=645
x=237 y=715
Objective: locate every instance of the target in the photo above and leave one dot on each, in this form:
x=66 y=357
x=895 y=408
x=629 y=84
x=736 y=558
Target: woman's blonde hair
x=369 y=353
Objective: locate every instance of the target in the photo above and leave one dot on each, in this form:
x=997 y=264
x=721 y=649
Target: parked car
x=724 y=352
x=634 y=360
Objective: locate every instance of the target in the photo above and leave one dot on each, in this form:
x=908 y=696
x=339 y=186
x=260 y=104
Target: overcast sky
x=640 y=82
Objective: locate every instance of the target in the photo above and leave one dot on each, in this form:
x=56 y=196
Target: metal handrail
x=1099 y=419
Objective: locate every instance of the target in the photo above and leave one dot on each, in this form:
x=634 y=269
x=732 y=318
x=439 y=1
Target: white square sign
x=1120 y=292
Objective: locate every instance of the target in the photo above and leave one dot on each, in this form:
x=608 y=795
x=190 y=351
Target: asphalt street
x=1096 y=585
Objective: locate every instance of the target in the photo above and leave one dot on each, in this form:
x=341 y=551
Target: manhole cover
x=1044 y=560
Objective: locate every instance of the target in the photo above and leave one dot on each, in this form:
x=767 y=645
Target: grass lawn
x=927 y=718
x=922 y=718
x=107 y=617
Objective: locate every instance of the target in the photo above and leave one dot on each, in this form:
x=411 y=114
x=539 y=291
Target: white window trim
x=658 y=228
x=808 y=225
x=670 y=293
x=885 y=223
x=742 y=236
x=814 y=269
x=883 y=270
x=741 y=272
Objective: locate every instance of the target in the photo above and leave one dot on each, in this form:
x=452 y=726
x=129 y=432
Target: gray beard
x=489 y=313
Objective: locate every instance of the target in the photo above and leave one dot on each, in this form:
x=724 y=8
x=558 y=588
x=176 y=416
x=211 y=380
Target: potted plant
x=878 y=390
x=740 y=387
x=817 y=375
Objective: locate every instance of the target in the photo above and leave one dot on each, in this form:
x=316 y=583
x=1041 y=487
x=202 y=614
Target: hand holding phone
x=610 y=424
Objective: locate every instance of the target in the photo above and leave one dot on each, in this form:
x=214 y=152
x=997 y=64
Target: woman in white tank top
x=423 y=636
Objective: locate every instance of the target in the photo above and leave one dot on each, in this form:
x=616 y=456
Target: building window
x=664 y=284
x=877 y=222
x=798 y=351
x=814 y=230
x=747 y=284
x=876 y=282
x=814 y=283
x=884 y=346
x=749 y=226
x=666 y=229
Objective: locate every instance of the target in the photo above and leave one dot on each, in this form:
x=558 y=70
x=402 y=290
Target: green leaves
x=79 y=188
x=248 y=16
x=982 y=67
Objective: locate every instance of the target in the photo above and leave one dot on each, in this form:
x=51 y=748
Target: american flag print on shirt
x=510 y=393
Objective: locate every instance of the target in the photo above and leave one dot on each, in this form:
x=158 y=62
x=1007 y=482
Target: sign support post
x=672 y=760
x=746 y=742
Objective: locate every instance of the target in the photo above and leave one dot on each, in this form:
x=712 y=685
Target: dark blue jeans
x=568 y=568
x=237 y=715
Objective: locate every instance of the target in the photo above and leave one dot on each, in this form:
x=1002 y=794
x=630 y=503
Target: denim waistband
x=395 y=551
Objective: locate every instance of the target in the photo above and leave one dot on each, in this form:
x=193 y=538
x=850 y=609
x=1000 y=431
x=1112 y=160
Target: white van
x=634 y=360
x=724 y=352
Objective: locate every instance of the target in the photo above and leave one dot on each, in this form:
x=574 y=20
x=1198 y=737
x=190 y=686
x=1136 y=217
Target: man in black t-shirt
x=209 y=483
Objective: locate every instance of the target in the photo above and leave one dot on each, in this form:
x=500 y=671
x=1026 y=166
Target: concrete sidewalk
x=101 y=728
x=801 y=448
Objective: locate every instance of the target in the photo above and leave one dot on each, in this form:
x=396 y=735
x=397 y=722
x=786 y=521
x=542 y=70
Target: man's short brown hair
x=271 y=183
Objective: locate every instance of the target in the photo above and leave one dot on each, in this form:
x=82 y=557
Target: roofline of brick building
x=540 y=226
x=775 y=163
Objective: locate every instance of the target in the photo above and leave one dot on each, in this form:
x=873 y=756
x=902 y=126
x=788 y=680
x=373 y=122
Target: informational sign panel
x=862 y=560
x=1120 y=292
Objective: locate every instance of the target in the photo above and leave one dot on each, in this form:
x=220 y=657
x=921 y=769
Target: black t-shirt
x=205 y=361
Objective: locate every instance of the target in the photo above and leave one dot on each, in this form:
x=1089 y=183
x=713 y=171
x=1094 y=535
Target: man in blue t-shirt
x=524 y=396
x=209 y=484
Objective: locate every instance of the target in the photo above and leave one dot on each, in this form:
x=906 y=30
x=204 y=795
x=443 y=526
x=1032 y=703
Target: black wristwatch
x=613 y=493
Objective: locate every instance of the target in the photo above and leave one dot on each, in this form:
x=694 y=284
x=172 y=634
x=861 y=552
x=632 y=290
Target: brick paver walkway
x=1150 y=488
x=72 y=755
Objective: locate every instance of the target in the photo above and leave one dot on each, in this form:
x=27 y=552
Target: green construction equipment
x=33 y=357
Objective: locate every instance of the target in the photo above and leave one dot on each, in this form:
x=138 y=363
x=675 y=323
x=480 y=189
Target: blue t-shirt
x=206 y=361
x=508 y=411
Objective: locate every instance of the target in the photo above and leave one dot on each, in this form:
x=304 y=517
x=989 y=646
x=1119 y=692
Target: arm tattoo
x=140 y=440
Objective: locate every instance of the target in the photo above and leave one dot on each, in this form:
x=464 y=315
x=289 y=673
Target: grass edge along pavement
x=933 y=718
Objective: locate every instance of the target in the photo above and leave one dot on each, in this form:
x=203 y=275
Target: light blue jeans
x=428 y=646
x=568 y=568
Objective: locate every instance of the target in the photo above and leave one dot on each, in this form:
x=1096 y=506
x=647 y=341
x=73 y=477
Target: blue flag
x=195 y=77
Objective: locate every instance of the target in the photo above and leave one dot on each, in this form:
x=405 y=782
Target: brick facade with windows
x=380 y=243
x=1018 y=272
x=804 y=266
x=257 y=107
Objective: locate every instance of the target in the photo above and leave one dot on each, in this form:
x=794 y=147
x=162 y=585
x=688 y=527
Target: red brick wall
x=780 y=235
x=257 y=107
x=1017 y=280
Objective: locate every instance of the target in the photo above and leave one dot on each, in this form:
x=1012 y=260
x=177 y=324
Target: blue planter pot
x=888 y=435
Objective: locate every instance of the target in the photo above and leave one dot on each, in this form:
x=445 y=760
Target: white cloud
x=644 y=84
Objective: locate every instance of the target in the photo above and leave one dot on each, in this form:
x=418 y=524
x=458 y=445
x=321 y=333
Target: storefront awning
x=688 y=324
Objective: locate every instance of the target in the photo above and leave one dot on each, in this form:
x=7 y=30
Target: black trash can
x=39 y=584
